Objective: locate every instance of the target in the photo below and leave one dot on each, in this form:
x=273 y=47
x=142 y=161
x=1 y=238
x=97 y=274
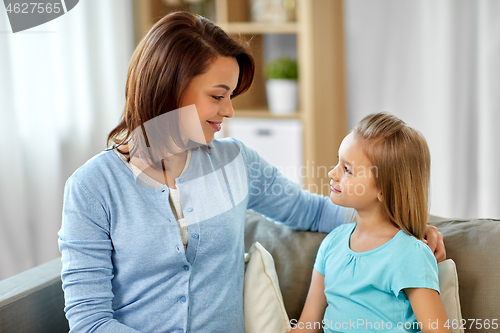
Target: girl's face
x=211 y=93
x=353 y=179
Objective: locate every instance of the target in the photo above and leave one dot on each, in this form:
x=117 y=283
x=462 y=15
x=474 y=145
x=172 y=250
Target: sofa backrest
x=33 y=301
x=293 y=252
x=474 y=245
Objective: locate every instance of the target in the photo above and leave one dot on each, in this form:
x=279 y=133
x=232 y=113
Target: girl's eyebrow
x=345 y=162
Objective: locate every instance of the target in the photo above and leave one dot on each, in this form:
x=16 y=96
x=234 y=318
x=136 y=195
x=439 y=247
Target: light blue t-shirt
x=364 y=290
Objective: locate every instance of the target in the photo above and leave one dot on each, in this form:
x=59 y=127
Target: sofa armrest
x=33 y=301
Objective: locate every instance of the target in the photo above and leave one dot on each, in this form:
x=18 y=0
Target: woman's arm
x=428 y=309
x=314 y=308
x=278 y=198
x=87 y=271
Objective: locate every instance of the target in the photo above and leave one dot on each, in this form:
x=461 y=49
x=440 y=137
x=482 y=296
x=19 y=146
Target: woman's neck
x=171 y=169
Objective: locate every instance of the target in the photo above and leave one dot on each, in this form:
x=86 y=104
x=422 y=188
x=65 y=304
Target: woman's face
x=211 y=94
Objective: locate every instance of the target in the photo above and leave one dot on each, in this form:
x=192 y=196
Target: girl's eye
x=347 y=170
x=218 y=97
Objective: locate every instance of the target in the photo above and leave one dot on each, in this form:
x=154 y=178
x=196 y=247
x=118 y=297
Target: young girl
x=376 y=274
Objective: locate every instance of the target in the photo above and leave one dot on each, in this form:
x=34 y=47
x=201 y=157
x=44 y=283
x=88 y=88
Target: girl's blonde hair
x=402 y=160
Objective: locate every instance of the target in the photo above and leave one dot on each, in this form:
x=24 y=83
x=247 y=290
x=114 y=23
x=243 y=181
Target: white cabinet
x=278 y=141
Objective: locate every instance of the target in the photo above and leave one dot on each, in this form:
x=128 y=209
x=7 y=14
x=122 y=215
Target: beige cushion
x=448 y=286
x=294 y=253
x=262 y=301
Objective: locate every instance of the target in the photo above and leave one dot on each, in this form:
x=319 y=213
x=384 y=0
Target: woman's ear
x=380 y=197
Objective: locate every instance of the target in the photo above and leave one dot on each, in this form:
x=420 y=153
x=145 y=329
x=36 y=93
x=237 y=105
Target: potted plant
x=281 y=85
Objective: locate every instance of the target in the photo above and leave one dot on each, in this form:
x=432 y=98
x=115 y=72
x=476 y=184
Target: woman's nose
x=227 y=109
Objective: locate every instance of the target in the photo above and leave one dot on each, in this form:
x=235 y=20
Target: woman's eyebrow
x=222 y=86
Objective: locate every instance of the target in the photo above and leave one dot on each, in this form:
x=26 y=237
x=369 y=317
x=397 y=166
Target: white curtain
x=436 y=65
x=62 y=90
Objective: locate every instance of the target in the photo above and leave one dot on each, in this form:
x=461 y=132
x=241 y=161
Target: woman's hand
x=434 y=239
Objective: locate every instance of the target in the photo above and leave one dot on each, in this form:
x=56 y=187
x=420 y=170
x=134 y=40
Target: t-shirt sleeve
x=319 y=264
x=417 y=268
x=323 y=251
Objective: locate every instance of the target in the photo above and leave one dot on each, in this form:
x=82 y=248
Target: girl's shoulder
x=409 y=248
x=340 y=232
x=411 y=242
x=343 y=229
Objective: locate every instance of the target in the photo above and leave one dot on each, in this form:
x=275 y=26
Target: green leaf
x=282 y=68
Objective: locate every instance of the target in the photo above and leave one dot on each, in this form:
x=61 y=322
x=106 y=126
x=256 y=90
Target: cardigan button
x=183 y=299
x=190 y=209
x=195 y=236
x=186 y=268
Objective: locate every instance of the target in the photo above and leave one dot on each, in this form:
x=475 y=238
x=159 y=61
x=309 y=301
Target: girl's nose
x=334 y=174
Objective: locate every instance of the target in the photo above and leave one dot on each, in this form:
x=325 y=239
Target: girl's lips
x=334 y=190
x=215 y=125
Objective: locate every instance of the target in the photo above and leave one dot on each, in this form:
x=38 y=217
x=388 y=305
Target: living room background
x=432 y=63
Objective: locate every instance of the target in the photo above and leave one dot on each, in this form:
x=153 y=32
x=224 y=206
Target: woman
x=152 y=231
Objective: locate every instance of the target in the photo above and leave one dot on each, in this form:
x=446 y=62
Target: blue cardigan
x=124 y=265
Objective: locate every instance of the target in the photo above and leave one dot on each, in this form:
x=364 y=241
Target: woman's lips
x=216 y=125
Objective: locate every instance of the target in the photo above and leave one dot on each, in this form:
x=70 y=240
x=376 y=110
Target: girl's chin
x=336 y=199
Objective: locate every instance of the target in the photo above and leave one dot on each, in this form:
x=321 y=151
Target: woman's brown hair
x=402 y=160
x=179 y=47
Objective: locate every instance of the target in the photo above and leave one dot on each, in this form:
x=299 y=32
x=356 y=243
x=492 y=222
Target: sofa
x=33 y=301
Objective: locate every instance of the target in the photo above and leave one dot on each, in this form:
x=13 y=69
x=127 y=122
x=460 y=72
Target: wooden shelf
x=263 y=113
x=260 y=28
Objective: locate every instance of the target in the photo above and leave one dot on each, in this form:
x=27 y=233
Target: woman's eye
x=218 y=97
